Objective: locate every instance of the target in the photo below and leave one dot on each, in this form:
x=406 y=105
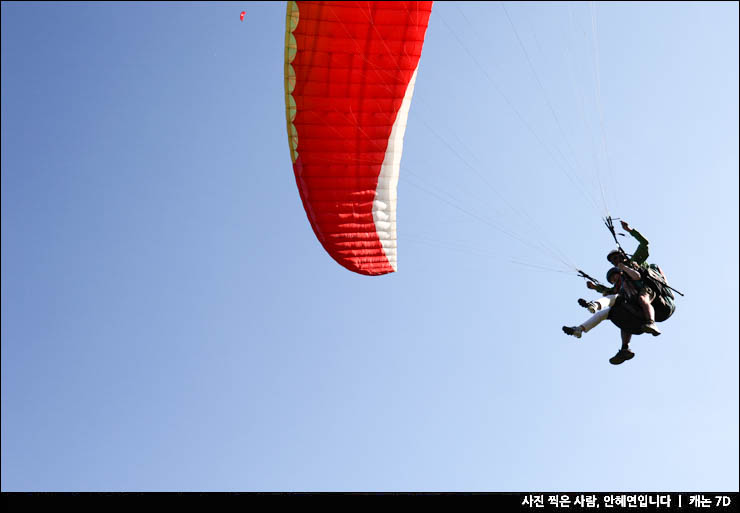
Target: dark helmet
x=611 y=272
x=613 y=253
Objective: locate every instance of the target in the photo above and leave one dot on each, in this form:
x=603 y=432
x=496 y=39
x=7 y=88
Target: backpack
x=653 y=276
x=664 y=308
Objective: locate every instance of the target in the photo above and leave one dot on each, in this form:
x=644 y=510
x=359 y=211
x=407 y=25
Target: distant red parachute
x=350 y=69
x=241 y=16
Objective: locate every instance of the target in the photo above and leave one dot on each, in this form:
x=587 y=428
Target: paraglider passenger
x=601 y=308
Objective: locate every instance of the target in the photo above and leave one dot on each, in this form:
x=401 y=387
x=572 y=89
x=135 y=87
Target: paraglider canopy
x=350 y=69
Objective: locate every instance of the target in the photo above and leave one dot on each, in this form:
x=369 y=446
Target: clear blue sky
x=170 y=322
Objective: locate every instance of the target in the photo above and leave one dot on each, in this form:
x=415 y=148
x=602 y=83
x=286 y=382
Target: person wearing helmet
x=605 y=308
x=600 y=308
x=602 y=311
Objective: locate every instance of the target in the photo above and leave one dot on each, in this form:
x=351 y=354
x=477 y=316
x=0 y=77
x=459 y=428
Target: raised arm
x=642 y=253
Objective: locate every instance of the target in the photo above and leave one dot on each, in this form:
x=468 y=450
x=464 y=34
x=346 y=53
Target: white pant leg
x=595 y=319
x=606 y=301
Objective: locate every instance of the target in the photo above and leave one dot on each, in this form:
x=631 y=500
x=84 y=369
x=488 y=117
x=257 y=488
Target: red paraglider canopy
x=350 y=69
